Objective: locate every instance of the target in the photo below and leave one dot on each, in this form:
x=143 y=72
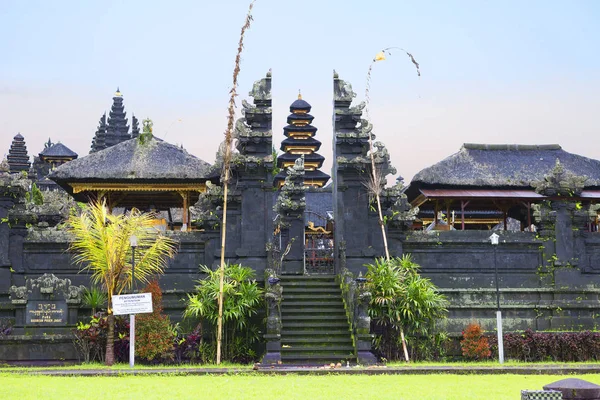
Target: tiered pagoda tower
x=116 y=131
x=18 y=159
x=300 y=141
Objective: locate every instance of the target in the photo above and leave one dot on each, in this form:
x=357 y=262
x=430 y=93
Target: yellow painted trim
x=138 y=187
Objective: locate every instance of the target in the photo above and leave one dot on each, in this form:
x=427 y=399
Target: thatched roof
x=142 y=159
x=503 y=166
x=57 y=150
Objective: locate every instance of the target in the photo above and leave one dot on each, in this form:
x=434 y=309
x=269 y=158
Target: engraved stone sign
x=46 y=313
x=46 y=301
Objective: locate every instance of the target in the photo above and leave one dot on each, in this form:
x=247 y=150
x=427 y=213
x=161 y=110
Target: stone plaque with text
x=46 y=313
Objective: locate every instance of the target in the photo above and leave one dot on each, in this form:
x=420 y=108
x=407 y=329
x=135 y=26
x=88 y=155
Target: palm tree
x=100 y=241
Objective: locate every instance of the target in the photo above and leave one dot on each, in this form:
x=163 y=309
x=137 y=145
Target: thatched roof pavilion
x=144 y=172
x=498 y=177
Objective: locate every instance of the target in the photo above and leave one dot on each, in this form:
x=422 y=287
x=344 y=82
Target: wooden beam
x=463 y=204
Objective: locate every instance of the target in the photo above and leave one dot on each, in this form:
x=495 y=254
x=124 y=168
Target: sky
x=525 y=72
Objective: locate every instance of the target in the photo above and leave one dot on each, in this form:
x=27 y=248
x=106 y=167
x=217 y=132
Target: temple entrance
x=318 y=244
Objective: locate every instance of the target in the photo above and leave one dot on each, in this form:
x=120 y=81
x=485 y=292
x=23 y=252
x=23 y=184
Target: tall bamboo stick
x=226 y=172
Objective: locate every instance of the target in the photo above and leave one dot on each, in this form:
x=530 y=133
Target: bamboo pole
x=375 y=175
x=226 y=173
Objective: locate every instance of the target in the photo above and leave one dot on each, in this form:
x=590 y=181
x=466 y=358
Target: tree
x=100 y=241
x=402 y=299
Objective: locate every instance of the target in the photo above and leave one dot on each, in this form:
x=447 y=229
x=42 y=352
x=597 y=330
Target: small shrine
x=144 y=172
x=53 y=155
x=299 y=142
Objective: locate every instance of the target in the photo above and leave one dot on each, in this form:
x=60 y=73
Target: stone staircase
x=315 y=328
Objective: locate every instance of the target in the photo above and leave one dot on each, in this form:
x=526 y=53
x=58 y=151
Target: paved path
x=283 y=370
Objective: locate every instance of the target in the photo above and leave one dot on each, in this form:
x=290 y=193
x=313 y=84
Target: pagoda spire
x=99 y=141
x=135 y=126
x=117 y=130
x=18 y=159
x=300 y=142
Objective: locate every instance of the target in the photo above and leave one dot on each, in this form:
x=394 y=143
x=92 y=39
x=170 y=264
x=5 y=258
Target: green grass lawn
x=413 y=387
x=125 y=366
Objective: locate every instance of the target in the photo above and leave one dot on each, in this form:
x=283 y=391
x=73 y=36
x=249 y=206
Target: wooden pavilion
x=483 y=185
x=144 y=172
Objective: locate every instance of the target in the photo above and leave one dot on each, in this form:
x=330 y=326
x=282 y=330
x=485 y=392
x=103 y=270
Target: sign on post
x=138 y=303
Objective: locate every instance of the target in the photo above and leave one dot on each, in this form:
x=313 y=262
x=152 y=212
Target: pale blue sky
x=503 y=71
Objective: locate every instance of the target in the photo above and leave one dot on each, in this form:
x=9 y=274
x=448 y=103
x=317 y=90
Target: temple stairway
x=315 y=328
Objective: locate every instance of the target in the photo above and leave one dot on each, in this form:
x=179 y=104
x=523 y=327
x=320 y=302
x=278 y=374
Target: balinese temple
x=144 y=172
x=300 y=141
x=485 y=186
x=18 y=159
x=53 y=155
x=116 y=130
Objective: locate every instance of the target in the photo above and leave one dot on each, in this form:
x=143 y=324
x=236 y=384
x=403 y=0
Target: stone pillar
x=362 y=325
x=356 y=218
x=7 y=202
x=273 y=295
x=254 y=168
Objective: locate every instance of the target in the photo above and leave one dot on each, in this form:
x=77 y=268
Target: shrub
x=550 y=346
x=94 y=298
x=474 y=345
x=6 y=326
x=153 y=332
x=242 y=300
x=90 y=338
x=404 y=301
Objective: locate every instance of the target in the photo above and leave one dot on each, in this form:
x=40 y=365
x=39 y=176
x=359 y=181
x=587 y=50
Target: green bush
x=242 y=300
x=403 y=301
x=154 y=335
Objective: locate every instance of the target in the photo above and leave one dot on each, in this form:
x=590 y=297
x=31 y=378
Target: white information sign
x=138 y=303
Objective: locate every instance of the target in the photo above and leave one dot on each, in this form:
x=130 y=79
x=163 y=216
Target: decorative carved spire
x=18 y=159
x=254 y=131
x=559 y=182
x=291 y=201
x=135 y=127
x=117 y=130
x=99 y=140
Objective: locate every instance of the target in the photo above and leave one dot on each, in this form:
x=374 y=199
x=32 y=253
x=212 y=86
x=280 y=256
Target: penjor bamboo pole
x=227 y=172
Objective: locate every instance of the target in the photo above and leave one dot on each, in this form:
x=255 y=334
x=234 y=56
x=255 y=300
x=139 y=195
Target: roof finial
x=299 y=95
x=118 y=92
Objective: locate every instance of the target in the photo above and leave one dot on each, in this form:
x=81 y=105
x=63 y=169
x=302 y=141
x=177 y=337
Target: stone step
x=315 y=333
x=326 y=277
x=318 y=340
x=316 y=317
x=317 y=359
x=332 y=349
x=318 y=290
x=298 y=295
x=309 y=284
x=329 y=303
x=334 y=311
x=315 y=325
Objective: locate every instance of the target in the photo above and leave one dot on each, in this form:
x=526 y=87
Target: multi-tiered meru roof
x=299 y=142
